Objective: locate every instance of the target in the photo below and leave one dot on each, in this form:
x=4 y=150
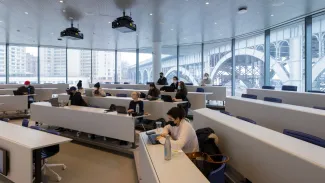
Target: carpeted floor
x=90 y=165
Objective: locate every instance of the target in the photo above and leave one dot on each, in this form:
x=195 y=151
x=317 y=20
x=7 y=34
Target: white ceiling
x=173 y=21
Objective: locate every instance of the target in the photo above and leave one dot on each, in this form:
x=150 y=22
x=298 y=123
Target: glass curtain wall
x=249 y=72
x=79 y=67
x=145 y=66
x=126 y=67
x=52 y=65
x=103 y=66
x=287 y=62
x=318 y=53
x=169 y=62
x=218 y=64
x=23 y=64
x=190 y=64
x=3 y=56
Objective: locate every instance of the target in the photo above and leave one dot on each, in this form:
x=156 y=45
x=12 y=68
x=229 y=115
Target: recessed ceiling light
x=61 y=1
x=26 y=12
x=172 y=29
x=215 y=23
x=185 y=38
x=272 y=15
x=220 y=34
x=0 y=21
x=63 y=10
x=52 y=33
x=150 y=14
x=242 y=10
x=207 y=3
x=109 y=22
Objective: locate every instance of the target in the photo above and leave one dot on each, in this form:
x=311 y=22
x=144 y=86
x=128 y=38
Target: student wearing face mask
x=206 y=80
x=162 y=80
x=175 y=83
x=183 y=136
x=181 y=95
x=26 y=89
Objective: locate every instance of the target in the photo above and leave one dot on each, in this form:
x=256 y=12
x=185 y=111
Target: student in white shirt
x=183 y=136
x=98 y=91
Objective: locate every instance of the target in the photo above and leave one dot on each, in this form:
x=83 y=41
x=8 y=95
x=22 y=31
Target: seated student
x=26 y=89
x=162 y=80
x=75 y=97
x=153 y=91
x=181 y=95
x=80 y=88
x=135 y=102
x=183 y=136
x=98 y=92
x=175 y=83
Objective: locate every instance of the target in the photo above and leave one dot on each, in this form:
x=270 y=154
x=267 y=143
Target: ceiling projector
x=72 y=33
x=124 y=24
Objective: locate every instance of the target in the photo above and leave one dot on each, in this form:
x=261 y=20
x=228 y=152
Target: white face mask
x=26 y=86
x=179 y=87
x=205 y=78
x=174 y=81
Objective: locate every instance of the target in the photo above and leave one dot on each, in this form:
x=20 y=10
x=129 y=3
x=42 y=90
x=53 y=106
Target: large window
x=218 y=64
x=287 y=56
x=79 y=66
x=145 y=66
x=126 y=67
x=190 y=64
x=249 y=55
x=2 y=64
x=318 y=53
x=169 y=62
x=52 y=65
x=103 y=66
x=23 y=64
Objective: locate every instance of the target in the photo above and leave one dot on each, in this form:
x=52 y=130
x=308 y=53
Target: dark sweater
x=133 y=105
x=162 y=81
x=175 y=86
x=154 y=92
x=77 y=99
x=29 y=90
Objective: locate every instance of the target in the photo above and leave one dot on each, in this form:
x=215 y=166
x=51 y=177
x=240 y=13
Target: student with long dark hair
x=183 y=136
x=153 y=91
x=98 y=91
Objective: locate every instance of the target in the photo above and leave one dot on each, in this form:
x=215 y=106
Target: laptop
x=153 y=138
x=166 y=98
x=89 y=93
x=54 y=102
x=17 y=93
x=121 y=110
x=167 y=89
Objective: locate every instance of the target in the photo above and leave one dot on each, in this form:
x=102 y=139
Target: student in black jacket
x=153 y=91
x=135 y=102
x=175 y=83
x=181 y=95
x=76 y=98
x=26 y=89
x=162 y=80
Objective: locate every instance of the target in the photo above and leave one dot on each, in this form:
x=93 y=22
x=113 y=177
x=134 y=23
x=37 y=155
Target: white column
x=295 y=62
x=156 y=60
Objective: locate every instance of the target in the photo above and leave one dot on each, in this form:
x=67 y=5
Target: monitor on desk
x=4 y=162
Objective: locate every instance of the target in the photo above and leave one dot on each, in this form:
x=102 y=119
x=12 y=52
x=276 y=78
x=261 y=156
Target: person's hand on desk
x=130 y=110
x=146 y=113
x=177 y=100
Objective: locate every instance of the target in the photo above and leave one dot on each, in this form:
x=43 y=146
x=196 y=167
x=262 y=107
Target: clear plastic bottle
x=137 y=109
x=168 y=149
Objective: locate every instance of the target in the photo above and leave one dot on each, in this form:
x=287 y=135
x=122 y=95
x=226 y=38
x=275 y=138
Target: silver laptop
x=54 y=102
x=89 y=93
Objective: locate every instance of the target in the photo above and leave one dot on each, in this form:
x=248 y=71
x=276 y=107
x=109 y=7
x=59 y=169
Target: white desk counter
x=86 y=119
x=60 y=88
x=157 y=109
x=20 y=142
x=155 y=169
x=263 y=155
x=289 y=97
x=41 y=93
x=197 y=99
x=277 y=116
x=13 y=103
x=218 y=92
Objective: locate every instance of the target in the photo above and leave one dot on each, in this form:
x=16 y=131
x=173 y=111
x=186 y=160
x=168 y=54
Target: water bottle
x=137 y=109
x=167 y=149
